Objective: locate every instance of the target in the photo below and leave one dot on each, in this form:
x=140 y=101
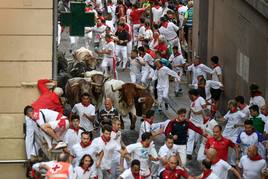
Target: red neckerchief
x=177 y=54
x=256 y=93
x=115 y=131
x=216 y=65
x=194 y=101
x=137 y=176
x=76 y=130
x=88 y=9
x=255 y=158
x=233 y=110
x=147 y=28
x=165 y=24
x=110 y=40
x=242 y=107
x=98 y=25
x=145 y=120
x=144 y=145
x=105 y=140
x=206 y=173
x=85 y=145
x=150 y=52
x=157 y=6
x=85 y=169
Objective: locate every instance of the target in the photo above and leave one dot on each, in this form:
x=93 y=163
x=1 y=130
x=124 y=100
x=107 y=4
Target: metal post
x=54 y=41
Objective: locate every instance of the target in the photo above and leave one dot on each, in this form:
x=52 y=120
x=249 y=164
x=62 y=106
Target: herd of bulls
x=128 y=98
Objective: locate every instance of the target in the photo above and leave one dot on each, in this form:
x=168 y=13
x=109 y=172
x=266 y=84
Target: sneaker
x=189 y=157
x=60 y=145
x=166 y=106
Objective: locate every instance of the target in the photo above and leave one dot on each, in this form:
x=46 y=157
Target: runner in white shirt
x=157 y=11
x=207 y=172
x=166 y=151
x=197 y=106
x=231 y=131
x=178 y=63
x=86 y=112
x=252 y=165
x=243 y=107
x=255 y=96
x=86 y=168
x=162 y=74
x=148 y=126
x=144 y=152
x=169 y=31
x=51 y=124
x=220 y=167
x=136 y=64
x=148 y=56
x=82 y=148
x=108 y=148
x=133 y=172
x=73 y=134
x=198 y=69
x=116 y=136
x=248 y=137
x=108 y=58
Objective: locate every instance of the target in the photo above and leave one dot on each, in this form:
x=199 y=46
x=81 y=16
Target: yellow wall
x=26 y=35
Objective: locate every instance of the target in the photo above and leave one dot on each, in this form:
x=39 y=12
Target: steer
x=127 y=97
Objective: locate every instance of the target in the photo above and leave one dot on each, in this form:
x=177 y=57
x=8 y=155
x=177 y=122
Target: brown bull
x=93 y=85
x=137 y=96
x=74 y=88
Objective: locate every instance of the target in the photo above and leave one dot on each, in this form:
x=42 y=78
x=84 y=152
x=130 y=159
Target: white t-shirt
x=71 y=138
x=140 y=153
x=247 y=140
x=213 y=176
x=221 y=169
x=178 y=60
x=78 y=152
x=251 y=169
x=246 y=111
x=127 y=174
x=215 y=73
x=109 y=46
x=231 y=132
x=80 y=110
x=81 y=174
x=170 y=33
x=116 y=137
x=157 y=13
x=50 y=116
x=145 y=127
x=164 y=151
x=198 y=70
x=135 y=65
x=257 y=100
x=108 y=149
x=163 y=77
x=197 y=106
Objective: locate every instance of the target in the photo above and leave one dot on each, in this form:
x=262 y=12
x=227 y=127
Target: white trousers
x=162 y=94
x=182 y=153
x=135 y=33
x=193 y=137
x=30 y=144
x=121 y=50
x=201 y=152
x=175 y=42
x=135 y=77
x=107 y=62
x=146 y=73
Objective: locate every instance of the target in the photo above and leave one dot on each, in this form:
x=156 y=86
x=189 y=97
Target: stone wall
x=26 y=34
x=238 y=34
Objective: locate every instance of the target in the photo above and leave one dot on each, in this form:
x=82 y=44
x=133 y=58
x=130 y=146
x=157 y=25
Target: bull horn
x=141 y=100
x=96 y=84
x=75 y=84
x=114 y=90
x=140 y=87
